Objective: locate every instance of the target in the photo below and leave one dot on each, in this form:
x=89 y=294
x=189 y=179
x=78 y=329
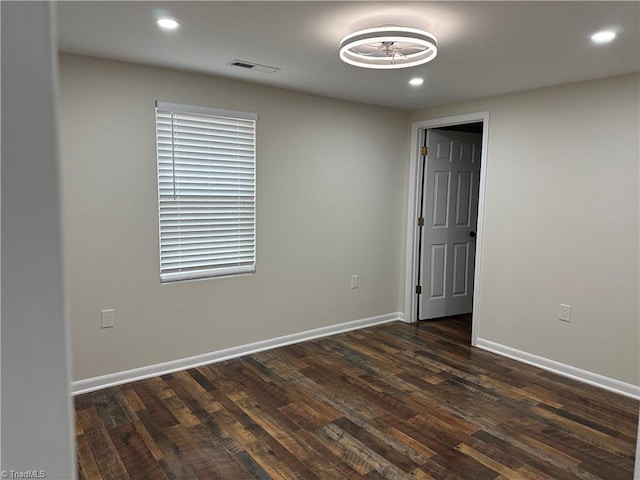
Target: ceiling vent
x=253 y=66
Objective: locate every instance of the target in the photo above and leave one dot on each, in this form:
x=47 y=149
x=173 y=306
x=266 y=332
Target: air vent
x=253 y=66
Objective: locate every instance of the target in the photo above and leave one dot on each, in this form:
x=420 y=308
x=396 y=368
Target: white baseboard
x=403 y=318
x=118 y=378
x=595 y=379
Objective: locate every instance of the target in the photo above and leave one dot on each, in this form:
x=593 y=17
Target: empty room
x=326 y=240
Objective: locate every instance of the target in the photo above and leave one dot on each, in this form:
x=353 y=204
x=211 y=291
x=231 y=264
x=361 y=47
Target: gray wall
x=36 y=406
x=330 y=195
x=561 y=223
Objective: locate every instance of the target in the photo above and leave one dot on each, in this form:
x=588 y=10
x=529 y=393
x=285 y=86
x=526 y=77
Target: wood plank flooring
x=394 y=401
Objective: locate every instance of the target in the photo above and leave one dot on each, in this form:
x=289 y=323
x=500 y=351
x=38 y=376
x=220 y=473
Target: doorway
x=446 y=283
x=447 y=220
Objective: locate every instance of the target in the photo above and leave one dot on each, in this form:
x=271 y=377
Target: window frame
x=172 y=213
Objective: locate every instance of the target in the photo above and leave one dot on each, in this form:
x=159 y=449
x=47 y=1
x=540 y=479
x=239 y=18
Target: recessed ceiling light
x=416 y=82
x=603 y=36
x=388 y=47
x=167 y=23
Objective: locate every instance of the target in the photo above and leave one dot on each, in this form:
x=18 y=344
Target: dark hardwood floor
x=392 y=401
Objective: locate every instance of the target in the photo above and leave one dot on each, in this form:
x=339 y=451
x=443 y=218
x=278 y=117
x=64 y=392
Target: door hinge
x=421 y=221
x=418 y=289
x=424 y=151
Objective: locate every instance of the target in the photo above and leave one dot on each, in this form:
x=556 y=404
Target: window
x=206 y=191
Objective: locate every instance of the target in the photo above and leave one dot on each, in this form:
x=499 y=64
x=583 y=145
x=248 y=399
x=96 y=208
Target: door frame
x=415 y=175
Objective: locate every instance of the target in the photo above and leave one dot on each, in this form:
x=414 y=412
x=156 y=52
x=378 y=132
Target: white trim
x=595 y=379
x=118 y=378
x=411 y=274
x=214 y=112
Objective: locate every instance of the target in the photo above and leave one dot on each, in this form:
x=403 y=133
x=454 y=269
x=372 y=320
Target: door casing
x=413 y=207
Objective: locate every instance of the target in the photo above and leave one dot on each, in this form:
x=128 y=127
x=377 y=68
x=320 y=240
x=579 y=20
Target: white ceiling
x=484 y=48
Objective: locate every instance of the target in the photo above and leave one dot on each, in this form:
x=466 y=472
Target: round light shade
x=388 y=47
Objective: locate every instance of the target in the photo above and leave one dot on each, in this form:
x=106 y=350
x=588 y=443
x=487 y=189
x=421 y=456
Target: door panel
x=443 y=149
x=463 y=200
x=460 y=268
x=452 y=179
x=441 y=199
x=438 y=273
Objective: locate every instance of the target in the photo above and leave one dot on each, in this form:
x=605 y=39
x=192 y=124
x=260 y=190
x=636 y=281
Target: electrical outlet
x=565 y=313
x=108 y=318
x=355 y=281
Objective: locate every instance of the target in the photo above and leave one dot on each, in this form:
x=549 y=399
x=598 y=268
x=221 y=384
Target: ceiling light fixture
x=603 y=36
x=416 y=82
x=167 y=23
x=388 y=47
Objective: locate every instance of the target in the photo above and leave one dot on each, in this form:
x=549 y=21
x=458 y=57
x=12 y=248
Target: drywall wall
x=36 y=402
x=561 y=223
x=330 y=182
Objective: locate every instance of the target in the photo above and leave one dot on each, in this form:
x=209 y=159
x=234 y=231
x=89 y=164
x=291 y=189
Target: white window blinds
x=206 y=191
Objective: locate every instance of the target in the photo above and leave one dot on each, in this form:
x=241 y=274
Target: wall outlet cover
x=565 y=313
x=108 y=318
